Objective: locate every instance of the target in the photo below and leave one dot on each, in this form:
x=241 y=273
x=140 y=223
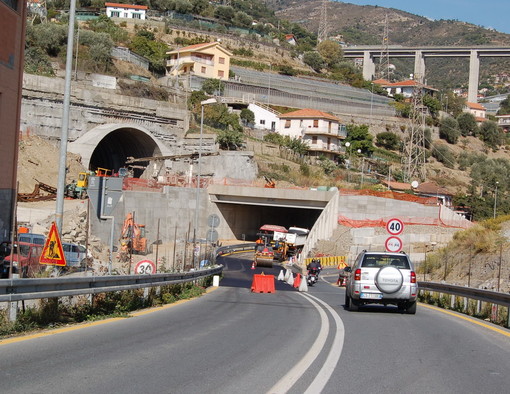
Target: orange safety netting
x=390 y=194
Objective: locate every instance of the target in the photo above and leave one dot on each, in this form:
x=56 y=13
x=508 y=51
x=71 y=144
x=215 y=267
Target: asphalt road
x=234 y=341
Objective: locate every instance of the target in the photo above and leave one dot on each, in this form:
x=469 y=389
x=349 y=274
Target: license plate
x=371 y=296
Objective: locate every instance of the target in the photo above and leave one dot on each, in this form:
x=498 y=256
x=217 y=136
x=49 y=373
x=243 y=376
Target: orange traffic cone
x=253 y=265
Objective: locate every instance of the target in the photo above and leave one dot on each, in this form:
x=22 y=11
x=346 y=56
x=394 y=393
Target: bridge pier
x=474 y=76
x=368 y=66
x=419 y=66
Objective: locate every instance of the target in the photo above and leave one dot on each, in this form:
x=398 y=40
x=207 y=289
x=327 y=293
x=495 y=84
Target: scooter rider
x=314 y=265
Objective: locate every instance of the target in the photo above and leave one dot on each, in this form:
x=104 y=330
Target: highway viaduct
x=369 y=53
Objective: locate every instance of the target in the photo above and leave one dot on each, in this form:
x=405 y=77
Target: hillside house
x=477 y=110
x=504 y=122
x=290 y=39
x=321 y=131
x=430 y=189
x=266 y=118
x=208 y=60
x=128 y=11
x=406 y=88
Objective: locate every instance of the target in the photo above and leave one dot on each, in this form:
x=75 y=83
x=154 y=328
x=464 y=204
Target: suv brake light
x=357 y=274
x=413 y=277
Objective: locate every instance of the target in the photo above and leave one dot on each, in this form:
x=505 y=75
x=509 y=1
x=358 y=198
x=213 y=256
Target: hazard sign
x=53 y=254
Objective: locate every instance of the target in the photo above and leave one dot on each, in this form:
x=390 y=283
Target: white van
x=32 y=238
x=75 y=255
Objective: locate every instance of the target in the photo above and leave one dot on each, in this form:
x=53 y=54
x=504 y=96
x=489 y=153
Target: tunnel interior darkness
x=245 y=220
x=114 y=149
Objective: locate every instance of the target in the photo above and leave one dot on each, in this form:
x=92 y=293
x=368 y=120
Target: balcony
x=188 y=60
x=341 y=133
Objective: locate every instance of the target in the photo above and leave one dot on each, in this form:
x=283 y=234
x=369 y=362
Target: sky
x=488 y=13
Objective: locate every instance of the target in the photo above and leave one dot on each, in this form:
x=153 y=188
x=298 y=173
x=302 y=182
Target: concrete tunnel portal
x=117 y=146
x=245 y=210
x=110 y=145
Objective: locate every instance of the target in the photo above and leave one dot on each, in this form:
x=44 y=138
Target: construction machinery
x=133 y=238
x=78 y=189
x=270 y=245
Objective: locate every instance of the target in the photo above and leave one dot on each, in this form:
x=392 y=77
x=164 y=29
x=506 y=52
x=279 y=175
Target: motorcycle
x=312 y=277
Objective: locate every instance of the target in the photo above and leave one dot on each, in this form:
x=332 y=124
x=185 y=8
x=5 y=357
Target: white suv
x=382 y=278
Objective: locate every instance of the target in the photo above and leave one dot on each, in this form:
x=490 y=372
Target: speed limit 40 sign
x=395 y=226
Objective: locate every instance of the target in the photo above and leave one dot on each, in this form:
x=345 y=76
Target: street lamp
x=495 y=199
x=202 y=104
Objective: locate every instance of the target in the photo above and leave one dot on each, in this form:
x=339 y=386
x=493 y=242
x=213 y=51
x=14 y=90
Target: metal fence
x=466 y=293
x=131 y=57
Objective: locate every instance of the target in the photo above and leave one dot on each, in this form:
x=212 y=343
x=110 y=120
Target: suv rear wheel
x=411 y=308
x=350 y=304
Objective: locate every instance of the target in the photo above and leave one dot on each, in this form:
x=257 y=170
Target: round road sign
x=393 y=244
x=395 y=226
x=213 y=220
x=145 y=267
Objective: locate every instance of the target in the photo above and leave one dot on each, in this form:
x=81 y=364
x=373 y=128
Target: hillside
x=364 y=25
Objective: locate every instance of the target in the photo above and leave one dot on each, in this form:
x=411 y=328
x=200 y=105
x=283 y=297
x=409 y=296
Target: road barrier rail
x=481 y=295
x=12 y=290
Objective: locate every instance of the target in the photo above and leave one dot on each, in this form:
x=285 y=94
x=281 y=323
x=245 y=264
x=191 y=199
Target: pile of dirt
x=38 y=161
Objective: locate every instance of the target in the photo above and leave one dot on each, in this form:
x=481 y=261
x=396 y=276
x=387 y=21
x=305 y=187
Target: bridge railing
x=459 y=296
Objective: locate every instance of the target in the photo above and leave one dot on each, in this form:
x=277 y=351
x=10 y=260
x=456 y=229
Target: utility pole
x=383 y=71
x=414 y=159
x=322 y=34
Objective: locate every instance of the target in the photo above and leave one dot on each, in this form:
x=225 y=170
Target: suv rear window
x=379 y=261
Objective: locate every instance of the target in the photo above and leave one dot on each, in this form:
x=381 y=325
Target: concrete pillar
x=13 y=310
x=419 y=66
x=474 y=76
x=368 y=66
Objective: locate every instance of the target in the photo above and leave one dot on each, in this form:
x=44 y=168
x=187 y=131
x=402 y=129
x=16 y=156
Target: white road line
x=329 y=366
x=285 y=383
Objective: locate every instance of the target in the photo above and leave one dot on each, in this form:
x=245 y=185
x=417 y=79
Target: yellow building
x=208 y=60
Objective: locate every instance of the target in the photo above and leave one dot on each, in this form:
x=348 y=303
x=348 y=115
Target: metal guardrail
x=231 y=249
x=30 y=289
x=489 y=296
x=493 y=297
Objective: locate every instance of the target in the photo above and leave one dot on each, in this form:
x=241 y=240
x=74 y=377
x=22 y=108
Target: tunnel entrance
x=245 y=220
x=117 y=146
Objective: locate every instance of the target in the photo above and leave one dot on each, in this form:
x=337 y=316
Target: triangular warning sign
x=53 y=253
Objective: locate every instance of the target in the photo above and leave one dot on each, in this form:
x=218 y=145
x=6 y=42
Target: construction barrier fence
x=329 y=261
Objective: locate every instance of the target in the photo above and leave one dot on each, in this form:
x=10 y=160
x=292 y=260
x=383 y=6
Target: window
x=221 y=60
x=137 y=15
x=262 y=121
x=126 y=15
x=202 y=70
x=301 y=123
x=221 y=73
x=11 y=3
x=287 y=123
x=314 y=140
x=115 y=14
x=329 y=127
x=316 y=123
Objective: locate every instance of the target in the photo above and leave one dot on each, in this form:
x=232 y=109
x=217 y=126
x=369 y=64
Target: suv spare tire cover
x=389 y=279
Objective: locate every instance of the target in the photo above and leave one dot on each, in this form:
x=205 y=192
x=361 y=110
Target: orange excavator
x=133 y=238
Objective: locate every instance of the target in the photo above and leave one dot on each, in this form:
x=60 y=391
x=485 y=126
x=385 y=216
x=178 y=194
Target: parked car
x=76 y=255
x=25 y=260
x=32 y=238
x=382 y=278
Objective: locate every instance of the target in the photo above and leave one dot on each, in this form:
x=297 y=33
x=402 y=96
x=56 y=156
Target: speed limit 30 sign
x=395 y=226
x=145 y=267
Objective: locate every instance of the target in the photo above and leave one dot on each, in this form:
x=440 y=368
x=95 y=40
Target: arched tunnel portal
x=109 y=146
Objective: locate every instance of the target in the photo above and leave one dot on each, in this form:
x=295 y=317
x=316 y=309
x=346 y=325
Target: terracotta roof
x=397 y=185
x=118 y=5
x=381 y=81
x=476 y=106
x=309 y=113
x=408 y=83
x=200 y=46
x=480 y=119
x=432 y=188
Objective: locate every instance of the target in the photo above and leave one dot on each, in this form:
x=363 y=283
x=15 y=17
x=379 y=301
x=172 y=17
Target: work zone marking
x=286 y=383
x=467 y=318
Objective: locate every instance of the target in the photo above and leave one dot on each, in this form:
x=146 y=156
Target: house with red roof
x=477 y=110
x=406 y=88
x=321 y=131
x=128 y=11
x=207 y=60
